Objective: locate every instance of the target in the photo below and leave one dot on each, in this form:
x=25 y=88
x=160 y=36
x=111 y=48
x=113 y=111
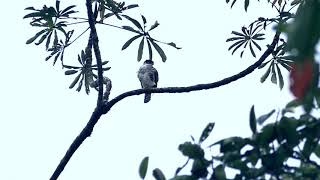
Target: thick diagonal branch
x=86 y=132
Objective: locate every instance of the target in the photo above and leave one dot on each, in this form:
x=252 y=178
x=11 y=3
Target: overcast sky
x=40 y=116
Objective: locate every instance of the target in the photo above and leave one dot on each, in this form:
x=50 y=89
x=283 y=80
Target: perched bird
x=148 y=77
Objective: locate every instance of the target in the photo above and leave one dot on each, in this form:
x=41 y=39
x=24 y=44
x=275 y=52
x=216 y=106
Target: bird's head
x=148 y=62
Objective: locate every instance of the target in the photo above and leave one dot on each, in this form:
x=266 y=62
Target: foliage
x=287 y=148
x=55 y=24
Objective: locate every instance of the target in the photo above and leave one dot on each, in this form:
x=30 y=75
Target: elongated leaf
x=256 y=44
x=130 y=41
x=285 y=65
x=36 y=36
x=43 y=37
x=69 y=72
x=263 y=118
x=158 y=174
x=236 y=43
x=87 y=81
x=103 y=63
x=143 y=167
x=140 y=50
x=281 y=83
x=67 y=9
x=173 y=45
x=237 y=33
x=238 y=46
x=150 y=50
x=273 y=74
x=129 y=28
x=253 y=121
x=144 y=19
x=29 y=8
x=34 y=14
x=156 y=24
x=234 y=38
x=234 y=1
x=251 y=49
x=74 y=82
x=135 y=22
x=246 y=4
x=266 y=74
x=58 y=5
x=263 y=64
x=132 y=6
x=206 y=132
x=80 y=84
x=48 y=40
x=159 y=50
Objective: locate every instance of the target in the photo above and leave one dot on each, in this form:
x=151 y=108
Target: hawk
x=148 y=76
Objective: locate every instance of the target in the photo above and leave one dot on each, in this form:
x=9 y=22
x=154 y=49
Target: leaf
x=234 y=38
x=158 y=175
x=246 y=4
x=253 y=121
x=129 y=28
x=281 y=83
x=251 y=49
x=57 y=5
x=263 y=64
x=140 y=50
x=159 y=50
x=69 y=72
x=144 y=19
x=237 y=33
x=135 y=22
x=75 y=81
x=206 y=132
x=263 y=118
x=236 y=43
x=173 y=45
x=48 y=40
x=43 y=37
x=143 y=167
x=256 y=44
x=156 y=24
x=35 y=36
x=130 y=41
x=266 y=74
x=273 y=74
x=192 y=151
x=29 y=8
x=150 y=50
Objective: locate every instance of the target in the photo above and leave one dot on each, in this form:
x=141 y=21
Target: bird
x=148 y=77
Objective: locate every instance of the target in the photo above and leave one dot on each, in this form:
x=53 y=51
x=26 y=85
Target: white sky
x=40 y=116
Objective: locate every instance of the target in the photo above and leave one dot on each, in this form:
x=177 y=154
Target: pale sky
x=40 y=116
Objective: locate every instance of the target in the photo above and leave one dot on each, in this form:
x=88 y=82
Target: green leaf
x=69 y=72
x=144 y=19
x=206 y=132
x=273 y=74
x=263 y=64
x=135 y=22
x=158 y=175
x=159 y=50
x=48 y=40
x=251 y=49
x=156 y=24
x=140 y=50
x=150 y=50
x=281 y=83
x=246 y=4
x=264 y=117
x=266 y=74
x=173 y=45
x=75 y=81
x=129 y=28
x=36 y=36
x=219 y=173
x=234 y=38
x=237 y=33
x=317 y=151
x=130 y=41
x=143 y=167
x=293 y=104
x=192 y=151
x=253 y=121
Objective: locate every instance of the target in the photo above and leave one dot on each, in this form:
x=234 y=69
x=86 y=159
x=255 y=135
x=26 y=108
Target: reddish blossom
x=301 y=78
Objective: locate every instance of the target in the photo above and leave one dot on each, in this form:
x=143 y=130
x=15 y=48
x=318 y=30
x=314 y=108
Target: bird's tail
x=147 y=97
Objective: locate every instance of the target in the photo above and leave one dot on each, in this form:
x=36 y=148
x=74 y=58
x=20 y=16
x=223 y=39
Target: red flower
x=301 y=78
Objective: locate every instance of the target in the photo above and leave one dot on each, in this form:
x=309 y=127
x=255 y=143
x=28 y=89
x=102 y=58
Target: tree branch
x=86 y=132
x=96 y=49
